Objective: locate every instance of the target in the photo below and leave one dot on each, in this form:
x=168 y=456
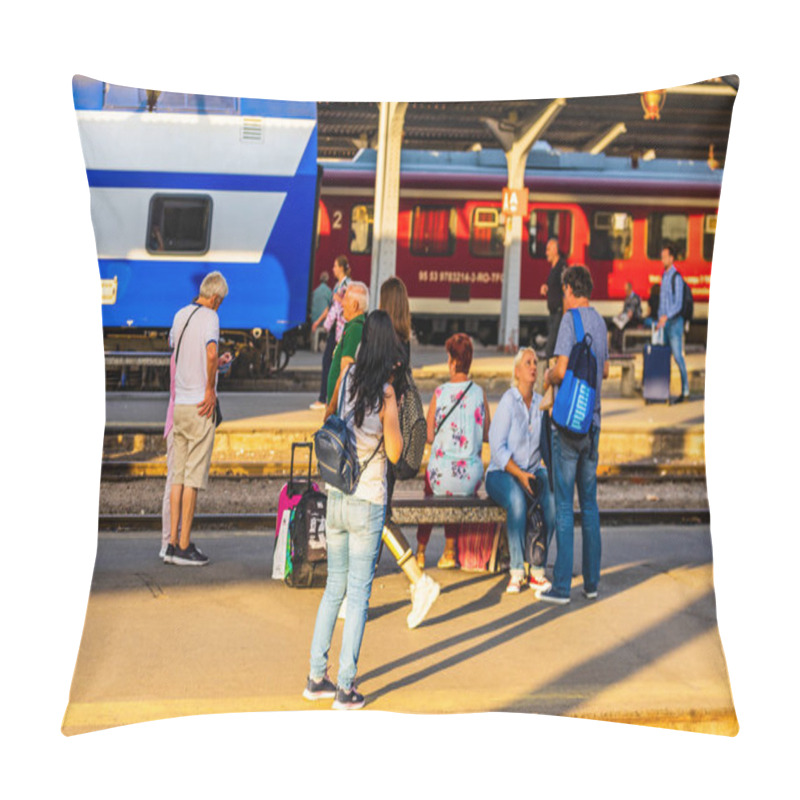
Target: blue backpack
x=573 y=408
x=336 y=452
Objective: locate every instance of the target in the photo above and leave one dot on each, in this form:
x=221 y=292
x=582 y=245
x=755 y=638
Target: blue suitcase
x=655 y=378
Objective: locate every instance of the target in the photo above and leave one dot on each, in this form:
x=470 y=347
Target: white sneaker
x=423 y=595
x=163 y=551
x=317 y=406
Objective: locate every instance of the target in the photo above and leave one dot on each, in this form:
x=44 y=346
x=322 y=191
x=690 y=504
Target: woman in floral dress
x=458 y=425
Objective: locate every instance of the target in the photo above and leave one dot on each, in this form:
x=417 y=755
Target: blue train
x=183 y=184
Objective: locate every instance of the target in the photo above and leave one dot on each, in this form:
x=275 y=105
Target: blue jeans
x=506 y=491
x=575 y=462
x=673 y=331
x=353 y=530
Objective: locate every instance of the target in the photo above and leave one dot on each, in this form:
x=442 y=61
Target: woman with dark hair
x=424 y=590
x=354 y=521
x=458 y=425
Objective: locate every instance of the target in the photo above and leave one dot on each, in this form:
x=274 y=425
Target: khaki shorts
x=193 y=441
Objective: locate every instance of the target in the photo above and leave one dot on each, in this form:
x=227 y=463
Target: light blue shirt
x=670 y=300
x=514 y=432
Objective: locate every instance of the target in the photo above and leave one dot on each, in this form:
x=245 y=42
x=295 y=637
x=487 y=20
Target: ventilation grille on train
x=251 y=129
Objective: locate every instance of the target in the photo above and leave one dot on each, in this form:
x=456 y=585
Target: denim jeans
x=674 y=335
x=575 y=462
x=506 y=491
x=353 y=530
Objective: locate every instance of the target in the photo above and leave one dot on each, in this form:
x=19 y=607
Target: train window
x=709 y=234
x=664 y=229
x=611 y=235
x=486 y=234
x=126 y=97
x=544 y=223
x=433 y=231
x=361 y=220
x=179 y=224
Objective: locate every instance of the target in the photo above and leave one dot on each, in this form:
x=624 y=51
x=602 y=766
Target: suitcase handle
x=305 y=445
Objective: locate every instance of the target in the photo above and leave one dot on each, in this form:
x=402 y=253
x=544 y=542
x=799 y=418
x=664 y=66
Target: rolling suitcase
x=290 y=496
x=655 y=377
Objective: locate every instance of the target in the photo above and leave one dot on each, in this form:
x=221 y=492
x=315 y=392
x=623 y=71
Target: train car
x=610 y=213
x=183 y=184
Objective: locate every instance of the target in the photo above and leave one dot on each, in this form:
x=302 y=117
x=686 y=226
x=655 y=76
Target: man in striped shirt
x=670 y=305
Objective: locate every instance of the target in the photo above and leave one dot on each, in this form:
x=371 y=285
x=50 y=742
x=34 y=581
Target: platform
x=647 y=651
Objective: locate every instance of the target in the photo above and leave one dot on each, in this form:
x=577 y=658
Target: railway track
x=113 y=469
x=266 y=522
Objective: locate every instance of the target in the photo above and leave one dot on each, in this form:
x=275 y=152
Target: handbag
x=337 y=459
x=454 y=407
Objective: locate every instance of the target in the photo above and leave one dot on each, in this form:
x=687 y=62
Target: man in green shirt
x=354 y=308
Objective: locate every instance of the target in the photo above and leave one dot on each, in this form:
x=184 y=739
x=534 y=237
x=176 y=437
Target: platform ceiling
x=692 y=118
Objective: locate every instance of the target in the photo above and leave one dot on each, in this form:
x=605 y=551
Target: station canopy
x=693 y=124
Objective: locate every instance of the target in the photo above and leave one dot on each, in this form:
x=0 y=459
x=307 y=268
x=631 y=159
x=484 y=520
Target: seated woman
x=516 y=461
x=458 y=425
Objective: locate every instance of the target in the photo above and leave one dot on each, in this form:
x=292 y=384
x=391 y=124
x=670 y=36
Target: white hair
x=214 y=284
x=517 y=359
x=362 y=290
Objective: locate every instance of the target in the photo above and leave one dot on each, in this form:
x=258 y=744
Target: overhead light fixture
x=653 y=102
x=604 y=140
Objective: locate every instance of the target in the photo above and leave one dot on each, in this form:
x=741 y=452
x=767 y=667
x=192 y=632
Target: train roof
x=93 y=95
x=547 y=168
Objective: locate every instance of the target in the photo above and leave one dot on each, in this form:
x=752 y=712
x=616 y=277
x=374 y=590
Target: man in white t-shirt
x=195 y=338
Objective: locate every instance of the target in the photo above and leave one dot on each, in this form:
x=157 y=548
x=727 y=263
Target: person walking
x=574 y=457
x=321 y=299
x=393 y=299
x=194 y=336
x=333 y=321
x=516 y=464
x=670 y=318
x=354 y=521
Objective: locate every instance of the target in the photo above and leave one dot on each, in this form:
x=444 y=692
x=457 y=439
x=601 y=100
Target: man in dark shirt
x=553 y=292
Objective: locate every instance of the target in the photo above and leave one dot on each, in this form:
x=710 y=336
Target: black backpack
x=687 y=306
x=414 y=428
x=308 y=547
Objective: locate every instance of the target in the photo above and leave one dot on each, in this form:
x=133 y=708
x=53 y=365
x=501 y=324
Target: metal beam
x=598 y=144
x=517 y=141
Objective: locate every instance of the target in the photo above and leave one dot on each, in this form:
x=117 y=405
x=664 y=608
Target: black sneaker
x=319 y=690
x=169 y=554
x=348 y=701
x=590 y=594
x=190 y=557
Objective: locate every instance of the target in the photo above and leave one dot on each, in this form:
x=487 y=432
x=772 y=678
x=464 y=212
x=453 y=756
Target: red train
x=609 y=213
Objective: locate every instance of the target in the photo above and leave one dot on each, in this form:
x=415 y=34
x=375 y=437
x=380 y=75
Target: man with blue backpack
x=582 y=363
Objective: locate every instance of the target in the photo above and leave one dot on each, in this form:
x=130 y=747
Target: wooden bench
x=411 y=509
x=642 y=335
x=626 y=362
